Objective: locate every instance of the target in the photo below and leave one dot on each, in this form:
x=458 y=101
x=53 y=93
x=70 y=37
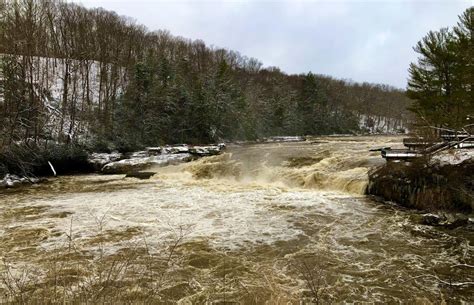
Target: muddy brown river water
x=277 y=223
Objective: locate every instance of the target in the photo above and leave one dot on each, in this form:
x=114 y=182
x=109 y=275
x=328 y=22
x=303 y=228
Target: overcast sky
x=359 y=40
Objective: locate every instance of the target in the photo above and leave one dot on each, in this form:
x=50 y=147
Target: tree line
x=441 y=81
x=75 y=75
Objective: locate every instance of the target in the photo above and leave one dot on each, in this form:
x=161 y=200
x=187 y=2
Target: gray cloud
x=360 y=40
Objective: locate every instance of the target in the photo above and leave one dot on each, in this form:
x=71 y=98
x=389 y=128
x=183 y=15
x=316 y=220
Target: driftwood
x=52 y=168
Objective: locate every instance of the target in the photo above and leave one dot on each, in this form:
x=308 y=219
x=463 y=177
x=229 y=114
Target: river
x=276 y=223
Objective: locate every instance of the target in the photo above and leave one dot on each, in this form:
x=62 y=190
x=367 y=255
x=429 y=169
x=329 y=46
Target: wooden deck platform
x=400 y=154
x=454 y=136
x=418 y=147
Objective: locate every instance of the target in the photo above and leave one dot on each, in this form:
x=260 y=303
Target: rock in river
x=152 y=156
x=447 y=220
x=140 y=175
x=98 y=160
x=432 y=219
x=206 y=150
x=11 y=181
x=136 y=164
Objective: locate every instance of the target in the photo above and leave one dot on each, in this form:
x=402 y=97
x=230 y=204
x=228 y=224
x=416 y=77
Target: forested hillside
x=88 y=76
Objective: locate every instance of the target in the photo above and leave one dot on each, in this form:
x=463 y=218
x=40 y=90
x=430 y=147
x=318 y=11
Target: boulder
x=136 y=164
x=455 y=220
x=140 y=154
x=98 y=160
x=450 y=221
x=125 y=166
x=154 y=151
x=176 y=149
x=12 y=181
x=206 y=150
x=3 y=183
x=37 y=180
x=152 y=156
x=432 y=219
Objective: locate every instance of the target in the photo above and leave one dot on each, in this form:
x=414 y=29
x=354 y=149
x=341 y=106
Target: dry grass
x=72 y=274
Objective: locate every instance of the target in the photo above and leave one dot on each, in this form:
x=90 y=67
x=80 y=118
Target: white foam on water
x=226 y=219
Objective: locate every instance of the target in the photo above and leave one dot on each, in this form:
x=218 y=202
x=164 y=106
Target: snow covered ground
x=82 y=83
x=453 y=156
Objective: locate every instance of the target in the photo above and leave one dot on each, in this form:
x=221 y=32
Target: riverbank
x=23 y=165
x=443 y=184
x=31 y=163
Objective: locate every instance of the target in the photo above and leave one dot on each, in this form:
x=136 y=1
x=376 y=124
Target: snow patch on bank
x=453 y=156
